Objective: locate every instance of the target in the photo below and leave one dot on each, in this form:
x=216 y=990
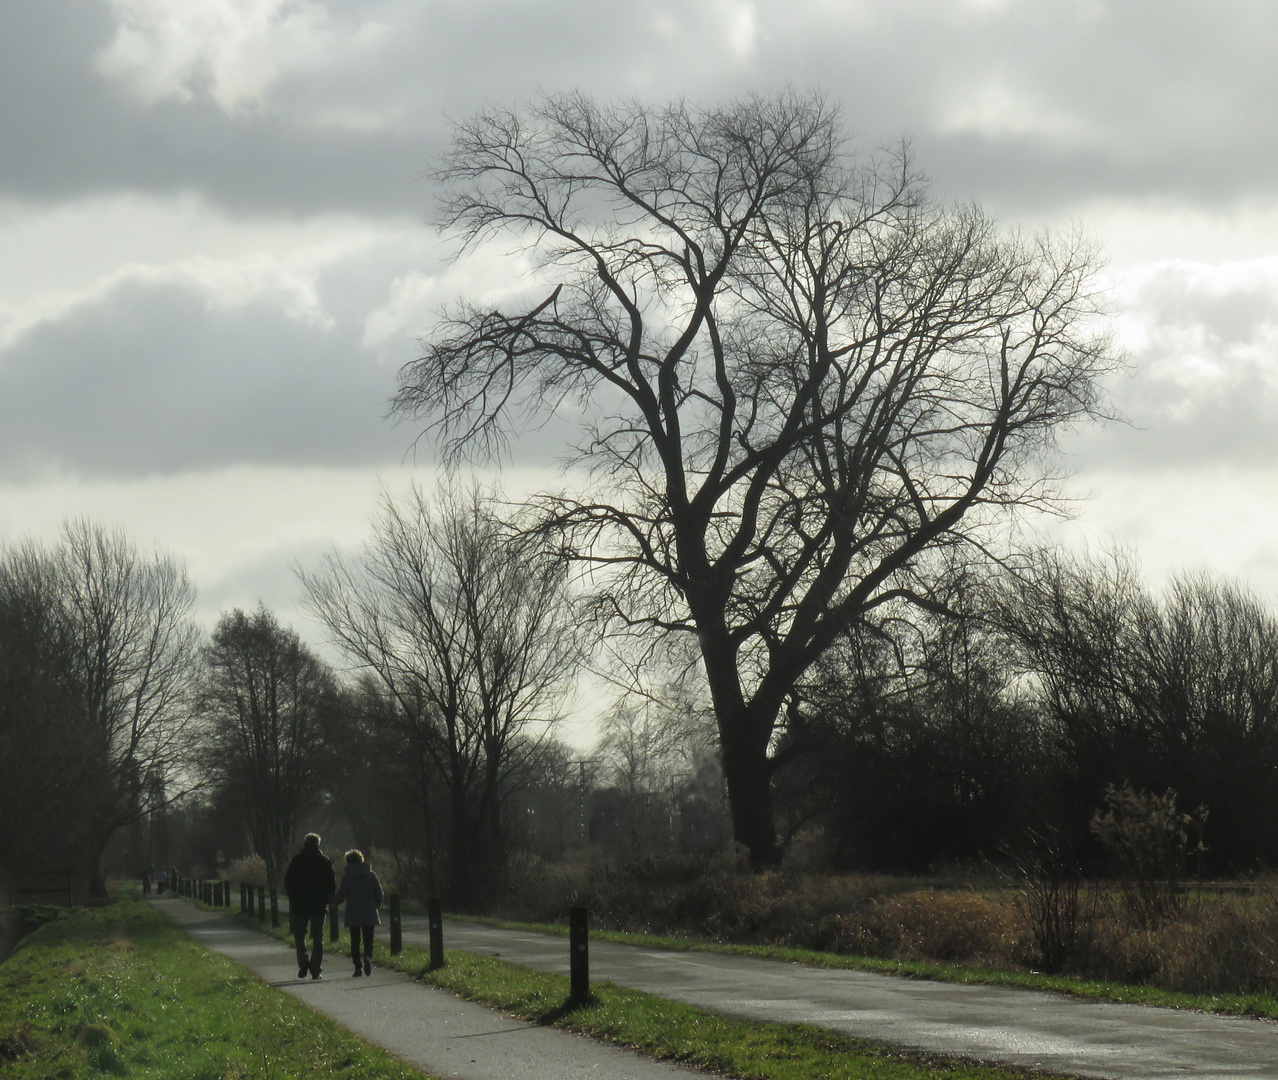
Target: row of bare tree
x=921 y=739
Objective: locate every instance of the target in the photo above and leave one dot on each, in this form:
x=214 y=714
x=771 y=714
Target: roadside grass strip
x=121 y=991
x=1257 y=1006
x=671 y=1031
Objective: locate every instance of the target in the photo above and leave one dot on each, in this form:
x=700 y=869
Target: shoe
x=358 y=972
x=303 y=971
x=368 y=965
x=316 y=976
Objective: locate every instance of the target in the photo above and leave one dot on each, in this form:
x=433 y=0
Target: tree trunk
x=462 y=853
x=96 y=878
x=743 y=741
x=749 y=778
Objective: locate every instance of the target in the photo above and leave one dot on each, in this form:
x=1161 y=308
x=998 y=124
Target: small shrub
x=1049 y=900
x=251 y=870
x=30 y=917
x=1147 y=840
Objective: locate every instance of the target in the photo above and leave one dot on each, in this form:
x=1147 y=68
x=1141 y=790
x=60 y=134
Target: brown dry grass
x=1214 y=944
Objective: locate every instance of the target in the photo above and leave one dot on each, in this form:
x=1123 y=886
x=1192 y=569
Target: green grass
x=120 y=991
x=672 y=1031
x=1259 y=1006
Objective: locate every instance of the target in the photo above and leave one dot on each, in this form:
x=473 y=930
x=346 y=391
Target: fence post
x=275 y=908
x=226 y=893
x=435 y=917
x=261 y=903
x=333 y=932
x=249 y=891
x=579 y=960
x=396 y=925
x=243 y=903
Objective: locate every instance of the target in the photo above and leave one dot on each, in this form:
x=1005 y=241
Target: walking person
x=363 y=893
x=309 y=883
x=161 y=879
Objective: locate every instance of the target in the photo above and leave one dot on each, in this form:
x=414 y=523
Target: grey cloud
x=1168 y=96
x=150 y=380
x=153 y=379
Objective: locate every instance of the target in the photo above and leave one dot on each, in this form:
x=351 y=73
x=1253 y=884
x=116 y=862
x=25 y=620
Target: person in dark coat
x=363 y=893
x=309 y=882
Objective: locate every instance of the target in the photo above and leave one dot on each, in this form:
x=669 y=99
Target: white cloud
x=1000 y=107
x=1217 y=518
x=231 y=50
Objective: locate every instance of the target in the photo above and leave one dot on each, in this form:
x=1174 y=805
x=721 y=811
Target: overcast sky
x=214 y=256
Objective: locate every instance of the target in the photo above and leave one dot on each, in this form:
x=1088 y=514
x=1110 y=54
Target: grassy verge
x=1259 y=1006
x=672 y=1031
x=120 y=991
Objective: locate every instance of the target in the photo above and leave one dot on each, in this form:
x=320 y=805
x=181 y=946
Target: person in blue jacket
x=363 y=893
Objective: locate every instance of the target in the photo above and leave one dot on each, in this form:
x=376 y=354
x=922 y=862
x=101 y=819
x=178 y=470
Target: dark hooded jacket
x=309 y=882
x=362 y=892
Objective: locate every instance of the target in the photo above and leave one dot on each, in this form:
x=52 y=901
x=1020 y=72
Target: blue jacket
x=362 y=892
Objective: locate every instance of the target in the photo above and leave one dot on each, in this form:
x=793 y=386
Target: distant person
x=161 y=879
x=309 y=883
x=363 y=893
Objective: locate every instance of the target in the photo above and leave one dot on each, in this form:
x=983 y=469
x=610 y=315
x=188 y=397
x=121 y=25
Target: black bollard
x=396 y=925
x=275 y=908
x=261 y=903
x=579 y=958
x=435 y=917
x=333 y=932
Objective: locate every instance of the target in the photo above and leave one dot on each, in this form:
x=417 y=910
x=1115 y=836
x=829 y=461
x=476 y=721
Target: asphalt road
x=430 y=1028
x=1026 y=1028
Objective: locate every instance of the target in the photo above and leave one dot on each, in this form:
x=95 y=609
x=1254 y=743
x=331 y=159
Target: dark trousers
x=299 y=923
x=366 y=933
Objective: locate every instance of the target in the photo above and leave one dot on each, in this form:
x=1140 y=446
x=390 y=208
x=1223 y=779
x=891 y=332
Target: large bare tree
x=471 y=634
x=801 y=373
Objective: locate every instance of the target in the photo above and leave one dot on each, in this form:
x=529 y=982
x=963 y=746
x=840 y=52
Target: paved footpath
x=1026 y=1028
x=432 y=1029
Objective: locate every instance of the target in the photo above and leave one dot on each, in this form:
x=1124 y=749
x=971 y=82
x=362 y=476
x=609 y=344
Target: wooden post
x=226 y=893
x=275 y=908
x=248 y=889
x=243 y=902
x=435 y=917
x=261 y=903
x=579 y=959
x=333 y=932
x=396 y=925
